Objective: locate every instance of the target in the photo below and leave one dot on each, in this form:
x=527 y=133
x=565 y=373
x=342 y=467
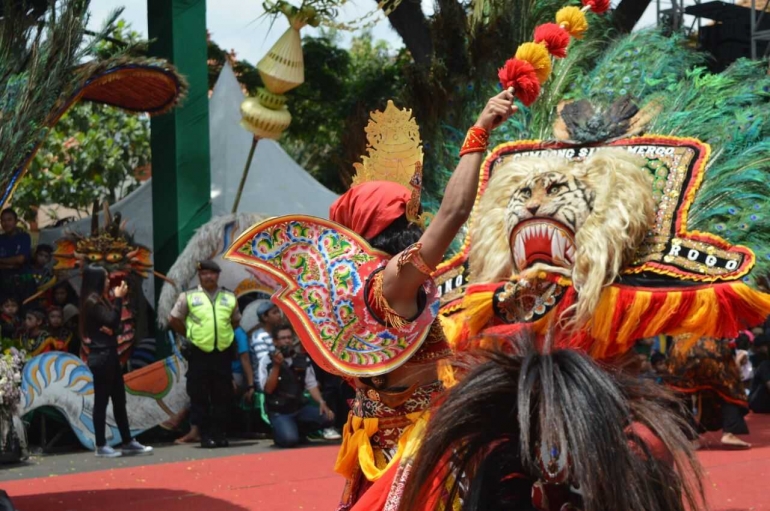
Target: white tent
x=276 y=184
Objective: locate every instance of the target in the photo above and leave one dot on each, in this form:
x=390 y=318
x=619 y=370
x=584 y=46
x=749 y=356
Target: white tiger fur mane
x=205 y=244
x=623 y=212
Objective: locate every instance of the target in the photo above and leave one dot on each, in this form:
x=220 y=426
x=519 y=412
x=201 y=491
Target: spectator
x=34 y=338
x=759 y=395
x=261 y=341
x=742 y=345
x=207 y=317
x=99 y=323
x=9 y=318
x=60 y=333
x=40 y=274
x=15 y=246
x=63 y=295
x=285 y=375
x=243 y=372
x=658 y=362
x=336 y=392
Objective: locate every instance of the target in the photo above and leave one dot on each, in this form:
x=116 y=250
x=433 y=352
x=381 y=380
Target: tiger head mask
x=583 y=219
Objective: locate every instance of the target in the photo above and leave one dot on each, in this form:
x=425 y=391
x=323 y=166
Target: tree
x=92 y=154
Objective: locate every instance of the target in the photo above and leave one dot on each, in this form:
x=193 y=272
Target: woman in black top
x=99 y=325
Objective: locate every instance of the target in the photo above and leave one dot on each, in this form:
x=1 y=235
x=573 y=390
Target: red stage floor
x=302 y=479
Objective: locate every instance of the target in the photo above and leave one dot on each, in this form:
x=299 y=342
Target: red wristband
x=475 y=141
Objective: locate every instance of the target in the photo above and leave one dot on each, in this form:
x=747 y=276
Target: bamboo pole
x=254 y=143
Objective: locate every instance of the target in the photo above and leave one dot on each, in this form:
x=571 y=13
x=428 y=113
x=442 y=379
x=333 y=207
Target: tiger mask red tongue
x=542 y=240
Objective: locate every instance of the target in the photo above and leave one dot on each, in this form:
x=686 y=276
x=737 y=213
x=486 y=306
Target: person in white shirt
x=260 y=338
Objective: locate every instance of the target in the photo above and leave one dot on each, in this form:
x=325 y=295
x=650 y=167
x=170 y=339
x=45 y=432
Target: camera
x=287 y=351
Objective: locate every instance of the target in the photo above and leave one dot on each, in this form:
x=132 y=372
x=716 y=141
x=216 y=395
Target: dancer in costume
x=359 y=293
x=708 y=373
x=366 y=313
x=566 y=435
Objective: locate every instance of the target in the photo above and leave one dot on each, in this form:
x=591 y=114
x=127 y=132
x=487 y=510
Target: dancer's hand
x=497 y=111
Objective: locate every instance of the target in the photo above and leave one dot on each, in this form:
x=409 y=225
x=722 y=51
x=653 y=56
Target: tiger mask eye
x=556 y=189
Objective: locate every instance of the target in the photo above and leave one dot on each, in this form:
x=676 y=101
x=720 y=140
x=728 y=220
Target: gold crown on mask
x=394 y=154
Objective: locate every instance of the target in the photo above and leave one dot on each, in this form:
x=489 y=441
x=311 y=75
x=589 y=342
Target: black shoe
x=222 y=442
x=208 y=443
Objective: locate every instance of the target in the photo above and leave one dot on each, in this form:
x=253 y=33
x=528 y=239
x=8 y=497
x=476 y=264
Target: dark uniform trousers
x=209 y=385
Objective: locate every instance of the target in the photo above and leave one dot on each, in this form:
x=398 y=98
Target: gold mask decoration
x=394 y=154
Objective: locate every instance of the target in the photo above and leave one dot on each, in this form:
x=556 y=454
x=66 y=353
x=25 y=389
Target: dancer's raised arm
x=407 y=271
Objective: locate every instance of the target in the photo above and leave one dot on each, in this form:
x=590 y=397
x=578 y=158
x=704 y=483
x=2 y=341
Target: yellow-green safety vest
x=209 y=324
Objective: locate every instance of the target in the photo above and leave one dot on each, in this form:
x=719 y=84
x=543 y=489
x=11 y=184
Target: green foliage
x=120 y=39
x=40 y=59
x=341 y=88
x=92 y=154
x=247 y=73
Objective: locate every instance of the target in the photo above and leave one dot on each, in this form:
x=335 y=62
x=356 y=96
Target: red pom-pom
x=598 y=6
x=522 y=77
x=555 y=38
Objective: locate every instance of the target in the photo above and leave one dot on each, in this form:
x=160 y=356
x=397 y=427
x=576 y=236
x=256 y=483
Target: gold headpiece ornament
x=394 y=154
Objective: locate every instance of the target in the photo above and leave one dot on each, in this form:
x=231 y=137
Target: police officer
x=207 y=317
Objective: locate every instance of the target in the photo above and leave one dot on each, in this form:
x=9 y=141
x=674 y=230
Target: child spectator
x=34 y=338
x=9 y=317
x=60 y=333
x=63 y=295
x=40 y=269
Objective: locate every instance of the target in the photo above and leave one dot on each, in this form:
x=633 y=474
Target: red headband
x=370 y=207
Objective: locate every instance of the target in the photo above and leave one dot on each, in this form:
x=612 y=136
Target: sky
x=238 y=25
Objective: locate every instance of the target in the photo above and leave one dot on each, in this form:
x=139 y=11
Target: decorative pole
x=282 y=69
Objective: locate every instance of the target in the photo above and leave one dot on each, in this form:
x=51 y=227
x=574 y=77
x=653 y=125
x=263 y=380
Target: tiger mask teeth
x=541 y=240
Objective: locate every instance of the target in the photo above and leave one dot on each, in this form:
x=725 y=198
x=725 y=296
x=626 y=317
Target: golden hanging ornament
x=281 y=70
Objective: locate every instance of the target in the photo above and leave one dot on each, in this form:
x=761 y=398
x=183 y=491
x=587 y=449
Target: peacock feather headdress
x=716 y=125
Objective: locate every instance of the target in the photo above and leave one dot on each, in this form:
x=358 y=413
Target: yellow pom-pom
x=537 y=55
x=573 y=20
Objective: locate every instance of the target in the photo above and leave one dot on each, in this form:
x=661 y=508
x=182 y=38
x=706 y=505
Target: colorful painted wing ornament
x=325 y=271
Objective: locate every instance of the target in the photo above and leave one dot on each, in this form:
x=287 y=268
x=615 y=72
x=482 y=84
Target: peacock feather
x=48 y=62
x=730 y=111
